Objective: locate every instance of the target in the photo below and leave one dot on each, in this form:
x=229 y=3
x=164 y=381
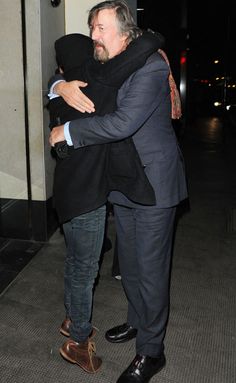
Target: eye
x=91 y=29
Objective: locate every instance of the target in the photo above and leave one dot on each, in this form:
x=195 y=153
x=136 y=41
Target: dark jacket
x=84 y=179
x=143 y=112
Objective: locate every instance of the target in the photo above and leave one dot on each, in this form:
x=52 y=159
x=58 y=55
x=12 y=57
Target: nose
x=95 y=34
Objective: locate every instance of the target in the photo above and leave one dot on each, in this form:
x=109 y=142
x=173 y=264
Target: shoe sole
x=66 y=357
x=64 y=332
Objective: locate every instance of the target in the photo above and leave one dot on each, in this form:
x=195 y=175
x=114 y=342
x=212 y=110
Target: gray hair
x=124 y=17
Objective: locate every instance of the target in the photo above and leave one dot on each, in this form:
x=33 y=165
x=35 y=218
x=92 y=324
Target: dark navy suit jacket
x=143 y=113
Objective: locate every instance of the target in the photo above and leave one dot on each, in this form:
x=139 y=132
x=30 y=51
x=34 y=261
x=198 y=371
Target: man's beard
x=101 y=55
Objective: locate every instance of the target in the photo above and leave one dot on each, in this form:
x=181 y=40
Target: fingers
x=81 y=101
x=82 y=105
x=73 y=96
x=81 y=84
x=56 y=135
x=51 y=141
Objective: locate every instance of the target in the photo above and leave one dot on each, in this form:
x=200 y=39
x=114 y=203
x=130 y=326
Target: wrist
x=58 y=88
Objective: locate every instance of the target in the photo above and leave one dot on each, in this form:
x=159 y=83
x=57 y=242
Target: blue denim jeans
x=84 y=238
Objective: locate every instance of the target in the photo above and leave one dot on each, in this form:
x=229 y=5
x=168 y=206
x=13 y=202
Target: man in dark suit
x=83 y=178
x=144 y=233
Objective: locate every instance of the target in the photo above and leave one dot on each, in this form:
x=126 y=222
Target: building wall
x=26 y=170
x=13 y=182
x=76 y=13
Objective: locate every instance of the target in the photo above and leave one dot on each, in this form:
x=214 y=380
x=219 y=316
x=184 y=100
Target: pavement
x=200 y=343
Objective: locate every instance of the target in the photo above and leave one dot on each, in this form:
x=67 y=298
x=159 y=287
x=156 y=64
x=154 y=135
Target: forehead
x=105 y=18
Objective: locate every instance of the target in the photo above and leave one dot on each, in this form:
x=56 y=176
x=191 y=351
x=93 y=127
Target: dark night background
x=205 y=31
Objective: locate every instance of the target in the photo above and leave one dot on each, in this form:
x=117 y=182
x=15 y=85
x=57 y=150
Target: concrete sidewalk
x=201 y=336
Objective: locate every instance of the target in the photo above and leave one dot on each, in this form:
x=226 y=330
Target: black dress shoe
x=120 y=334
x=142 y=368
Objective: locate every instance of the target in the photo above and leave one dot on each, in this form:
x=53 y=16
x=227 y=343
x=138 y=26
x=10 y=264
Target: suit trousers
x=144 y=239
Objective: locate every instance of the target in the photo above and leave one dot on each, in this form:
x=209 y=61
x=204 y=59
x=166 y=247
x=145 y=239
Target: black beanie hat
x=73 y=50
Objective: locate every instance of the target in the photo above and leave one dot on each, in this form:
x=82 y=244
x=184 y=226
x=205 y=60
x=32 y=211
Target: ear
x=125 y=39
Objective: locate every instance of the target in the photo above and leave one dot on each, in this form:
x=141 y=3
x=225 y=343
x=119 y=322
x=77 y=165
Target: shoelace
x=91 y=351
x=91 y=348
x=138 y=361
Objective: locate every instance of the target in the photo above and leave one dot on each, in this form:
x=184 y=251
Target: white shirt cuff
x=52 y=95
x=67 y=134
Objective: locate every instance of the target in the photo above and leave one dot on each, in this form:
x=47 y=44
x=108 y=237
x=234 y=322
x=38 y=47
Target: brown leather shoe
x=65 y=329
x=82 y=354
